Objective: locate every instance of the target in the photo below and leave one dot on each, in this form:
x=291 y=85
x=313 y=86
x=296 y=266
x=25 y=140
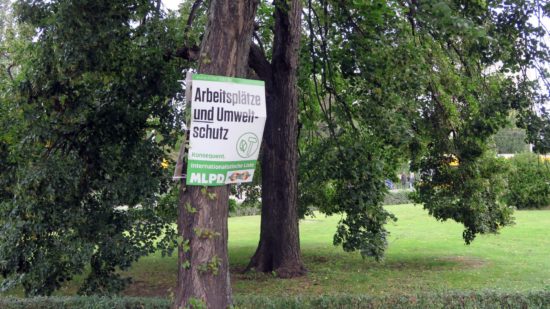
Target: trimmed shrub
x=84 y=302
x=245 y=211
x=479 y=300
x=397 y=197
x=528 y=182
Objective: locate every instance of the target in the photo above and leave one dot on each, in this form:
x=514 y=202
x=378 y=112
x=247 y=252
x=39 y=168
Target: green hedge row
x=528 y=182
x=84 y=302
x=447 y=300
x=477 y=300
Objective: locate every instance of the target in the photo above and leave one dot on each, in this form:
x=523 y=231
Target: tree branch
x=188 y=53
x=259 y=63
x=411 y=14
x=191 y=18
x=9 y=71
x=260 y=44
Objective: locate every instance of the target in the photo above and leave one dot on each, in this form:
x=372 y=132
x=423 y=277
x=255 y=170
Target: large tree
x=279 y=247
x=203 y=272
x=420 y=81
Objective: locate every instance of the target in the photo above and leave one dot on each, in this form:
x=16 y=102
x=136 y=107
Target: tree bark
x=279 y=247
x=203 y=273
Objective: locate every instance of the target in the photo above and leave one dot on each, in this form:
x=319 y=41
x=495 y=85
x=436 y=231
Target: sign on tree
x=227 y=123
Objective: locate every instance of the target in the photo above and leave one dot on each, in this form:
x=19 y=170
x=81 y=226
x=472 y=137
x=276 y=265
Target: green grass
x=424 y=255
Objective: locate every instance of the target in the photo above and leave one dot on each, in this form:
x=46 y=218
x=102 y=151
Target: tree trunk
x=203 y=273
x=279 y=247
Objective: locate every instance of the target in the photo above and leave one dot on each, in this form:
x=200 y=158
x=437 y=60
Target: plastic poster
x=227 y=124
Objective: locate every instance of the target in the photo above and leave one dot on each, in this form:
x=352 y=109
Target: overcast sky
x=171 y=4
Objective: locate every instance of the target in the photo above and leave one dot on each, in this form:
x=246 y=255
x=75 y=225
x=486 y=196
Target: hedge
x=445 y=300
x=84 y=302
x=397 y=197
x=479 y=300
x=528 y=182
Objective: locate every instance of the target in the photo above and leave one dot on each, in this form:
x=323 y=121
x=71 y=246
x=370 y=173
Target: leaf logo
x=247 y=145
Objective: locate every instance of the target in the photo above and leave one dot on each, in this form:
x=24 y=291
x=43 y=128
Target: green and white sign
x=227 y=124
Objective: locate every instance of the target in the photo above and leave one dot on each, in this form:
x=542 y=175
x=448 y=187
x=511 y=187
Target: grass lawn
x=424 y=255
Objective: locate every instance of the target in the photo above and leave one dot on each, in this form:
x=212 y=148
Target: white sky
x=171 y=4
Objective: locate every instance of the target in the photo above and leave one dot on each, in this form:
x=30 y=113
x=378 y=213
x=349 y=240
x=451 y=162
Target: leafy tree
x=6 y=19
x=363 y=105
x=469 y=105
x=83 y=160
x=386 y=82
x=392 y=81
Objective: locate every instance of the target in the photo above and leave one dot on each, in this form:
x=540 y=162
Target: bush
x=397 y=197
x=434 y=300
x=245 y=211
x=528 y=182
x=487 y=299
x=511 y=140
x=237 y=209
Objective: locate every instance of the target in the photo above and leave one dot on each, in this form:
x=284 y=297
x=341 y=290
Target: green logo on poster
x=247 y=145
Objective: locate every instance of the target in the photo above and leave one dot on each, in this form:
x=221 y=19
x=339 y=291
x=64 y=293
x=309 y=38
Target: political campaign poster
x=225 y=133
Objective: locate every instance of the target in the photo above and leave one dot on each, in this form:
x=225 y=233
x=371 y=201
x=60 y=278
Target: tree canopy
x=88 y=124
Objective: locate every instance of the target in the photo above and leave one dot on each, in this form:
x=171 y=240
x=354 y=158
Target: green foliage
x=205 y=233
x=232 y=205
x=212 y=266
x=196 y=303
x=190 y=209
x=528 y=182
x=90 y=103
x=448 y=300
x=351 y=182
x=354 y=117
x=486 y=299
x=464 y=107
x=86 y=121
x=472 y=194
